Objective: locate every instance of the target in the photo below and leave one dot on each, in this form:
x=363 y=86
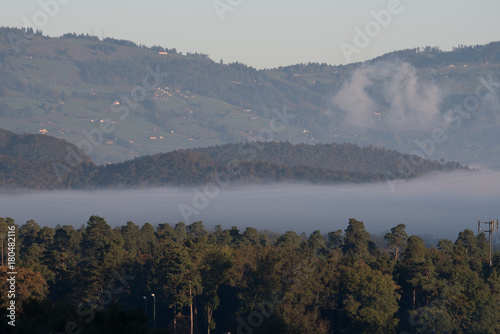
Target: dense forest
x=37 y=162
x=35 y=147
x=100 y=279
x=44 y=162
x=347 y=157
x=434 y=56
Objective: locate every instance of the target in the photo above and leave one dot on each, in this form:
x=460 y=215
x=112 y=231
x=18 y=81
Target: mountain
x=44 y=162
x=119 y=100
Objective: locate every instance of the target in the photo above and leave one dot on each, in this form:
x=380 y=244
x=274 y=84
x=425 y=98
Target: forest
x=43 y=162
x=184 y=279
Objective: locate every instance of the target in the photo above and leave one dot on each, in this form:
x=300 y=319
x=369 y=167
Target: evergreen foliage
x=225 y=281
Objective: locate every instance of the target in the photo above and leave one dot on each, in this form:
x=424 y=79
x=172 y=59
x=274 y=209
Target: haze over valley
x=436 y=205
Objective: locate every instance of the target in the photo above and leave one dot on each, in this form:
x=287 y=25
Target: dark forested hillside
x=345 y=157
x=192 y=168
x=29 y=146
x=184 y=279
x=40 y=174
x=43 y=162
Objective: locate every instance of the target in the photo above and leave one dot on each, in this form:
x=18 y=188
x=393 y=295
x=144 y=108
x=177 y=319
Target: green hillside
x=153 y=99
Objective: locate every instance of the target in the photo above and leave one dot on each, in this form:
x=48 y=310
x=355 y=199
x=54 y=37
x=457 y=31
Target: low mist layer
x=441 y=205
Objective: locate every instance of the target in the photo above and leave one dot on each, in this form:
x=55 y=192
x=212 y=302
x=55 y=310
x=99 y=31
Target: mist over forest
x=439 y=205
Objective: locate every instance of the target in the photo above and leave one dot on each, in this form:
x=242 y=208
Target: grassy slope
x=63 y=75
x=51 y=62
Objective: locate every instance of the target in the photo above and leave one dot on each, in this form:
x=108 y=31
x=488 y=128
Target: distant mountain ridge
x=72 y=84
x=433 y=56
x=32 y=167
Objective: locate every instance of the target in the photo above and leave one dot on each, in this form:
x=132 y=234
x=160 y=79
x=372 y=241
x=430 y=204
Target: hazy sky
x=264 y=33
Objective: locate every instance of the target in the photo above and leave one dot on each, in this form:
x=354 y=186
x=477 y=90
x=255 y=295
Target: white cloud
x=405 y=101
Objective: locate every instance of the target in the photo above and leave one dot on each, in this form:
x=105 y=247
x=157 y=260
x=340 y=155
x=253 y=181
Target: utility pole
x=154 y=311
x=492 y=227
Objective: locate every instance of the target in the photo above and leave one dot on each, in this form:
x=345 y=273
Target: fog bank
x=441 y=205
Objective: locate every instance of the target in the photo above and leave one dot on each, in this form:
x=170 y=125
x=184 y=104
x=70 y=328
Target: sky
x=268 y=33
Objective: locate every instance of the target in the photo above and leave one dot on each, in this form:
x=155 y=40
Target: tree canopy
x=225 y=280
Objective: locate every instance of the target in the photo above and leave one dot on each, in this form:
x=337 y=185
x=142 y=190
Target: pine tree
x=368 y=299
x=397 y=239
x=215 y=272
x=357 y=243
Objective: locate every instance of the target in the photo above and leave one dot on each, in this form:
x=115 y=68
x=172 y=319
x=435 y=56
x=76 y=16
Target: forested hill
x=188 y=167
x=345 y=157
x=269 y=162
x=43 y=162
x=30 y=146
x=433 y=56
x=30 y=161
